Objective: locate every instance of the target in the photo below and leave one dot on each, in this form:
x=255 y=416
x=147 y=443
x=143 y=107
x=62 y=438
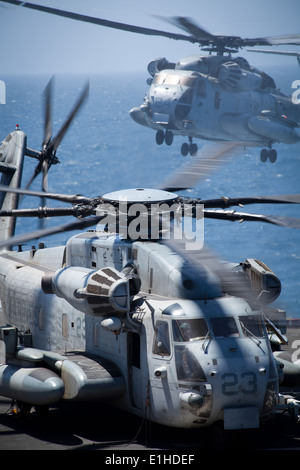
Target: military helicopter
x=139 y=317
x=214 y=96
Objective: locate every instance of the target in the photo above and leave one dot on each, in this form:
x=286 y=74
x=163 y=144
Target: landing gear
x=162 y=137
x=167 y=137
x=189 y=148
x=268 y=153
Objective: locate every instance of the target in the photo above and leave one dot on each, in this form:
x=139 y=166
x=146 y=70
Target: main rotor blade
x=198 y=168
x=41 y=212
x=289 y=39
x=72 y=199
x=78 y=225
x=188 y=25
x=288 y=222
x=204 y=37
x=101 y=22
x=267 y=51
x=225 y=202
x=201 y=35
x=60 y=135
x=232 y=282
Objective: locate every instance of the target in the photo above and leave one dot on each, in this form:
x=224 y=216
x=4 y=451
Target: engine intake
x=263 y=280
x=95 y=292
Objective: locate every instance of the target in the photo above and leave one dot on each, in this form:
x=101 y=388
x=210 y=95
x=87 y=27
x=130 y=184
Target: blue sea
x=104 y=150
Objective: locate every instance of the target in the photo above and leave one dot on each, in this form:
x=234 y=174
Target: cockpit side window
x=161 y=340
x=224 y=326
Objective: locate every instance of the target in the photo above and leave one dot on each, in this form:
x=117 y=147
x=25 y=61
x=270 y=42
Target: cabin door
x=134 y=369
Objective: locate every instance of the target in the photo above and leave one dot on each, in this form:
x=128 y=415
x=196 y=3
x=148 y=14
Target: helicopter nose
x=138 y=115
x=162 y=100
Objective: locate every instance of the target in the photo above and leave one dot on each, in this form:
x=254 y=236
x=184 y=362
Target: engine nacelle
x=265 y=284
x=94 y=292
x=157 y=65
x=235 y=78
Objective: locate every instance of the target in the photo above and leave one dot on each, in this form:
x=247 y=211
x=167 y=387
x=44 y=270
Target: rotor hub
x=140 y=195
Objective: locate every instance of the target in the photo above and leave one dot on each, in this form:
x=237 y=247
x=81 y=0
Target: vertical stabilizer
x=12 y=151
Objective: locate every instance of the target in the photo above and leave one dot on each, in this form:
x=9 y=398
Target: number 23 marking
x=230 y=386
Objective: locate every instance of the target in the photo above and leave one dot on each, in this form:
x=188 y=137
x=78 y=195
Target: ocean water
x=104 y=150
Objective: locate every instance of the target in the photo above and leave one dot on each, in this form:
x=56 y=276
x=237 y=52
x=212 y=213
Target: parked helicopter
x=162 y=330
x=215 y=97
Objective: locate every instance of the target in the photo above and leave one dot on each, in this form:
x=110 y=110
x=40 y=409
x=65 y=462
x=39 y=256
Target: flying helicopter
x=214 y=95
x=160 y=328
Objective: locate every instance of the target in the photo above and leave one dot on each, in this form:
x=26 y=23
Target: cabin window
x=42 y=319
x=161 y=341
x=64 y=322
x=189 y=330
x=217 y=100
x=96 y=334
x=224 y=326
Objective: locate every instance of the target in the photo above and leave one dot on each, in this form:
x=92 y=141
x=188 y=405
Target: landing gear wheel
x=185 y=149
x=169 y=137
x=264 y=154
x=20 y=408
x=193 y=150
x=160 y=137
x=273 y=156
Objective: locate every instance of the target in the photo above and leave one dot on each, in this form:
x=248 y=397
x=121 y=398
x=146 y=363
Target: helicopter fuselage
x=217 y=98
x=184 y=359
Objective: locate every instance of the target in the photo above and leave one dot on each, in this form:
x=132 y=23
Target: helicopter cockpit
x=187 y=329
x=205 y=346
x=171 y=95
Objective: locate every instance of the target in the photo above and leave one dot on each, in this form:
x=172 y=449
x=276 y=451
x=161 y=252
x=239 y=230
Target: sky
x=37 y=42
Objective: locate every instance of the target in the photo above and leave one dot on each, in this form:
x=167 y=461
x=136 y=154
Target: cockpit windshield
x=250 y=325
x=189 y=329
x=224 y=327
x=172 y=79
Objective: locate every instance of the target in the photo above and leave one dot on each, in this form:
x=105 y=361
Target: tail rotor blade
x=36 y=172
x=48 y=113
x=60 y=135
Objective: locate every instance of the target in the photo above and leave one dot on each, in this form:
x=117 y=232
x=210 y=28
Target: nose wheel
x=164 y=136
x=270 y=154
x=167 y=137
